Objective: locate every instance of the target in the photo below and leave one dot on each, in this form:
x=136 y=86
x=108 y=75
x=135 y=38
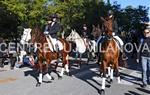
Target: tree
x=8 y=23
x=72 y=13
x=25 y=11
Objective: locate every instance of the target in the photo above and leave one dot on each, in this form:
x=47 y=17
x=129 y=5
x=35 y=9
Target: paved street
x=84 y=81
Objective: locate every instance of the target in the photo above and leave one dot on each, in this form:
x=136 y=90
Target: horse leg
x=40 y=74
x=80 y=60
x=47 y=71
x=62 y=71
x=104 y=77
x=88 y=56
x=67 y=68
x=56 y=67
x=117 y=72
x=12 y=61
x=63 y=66
x=111 y=74
x=109 y=70
x=76 y=57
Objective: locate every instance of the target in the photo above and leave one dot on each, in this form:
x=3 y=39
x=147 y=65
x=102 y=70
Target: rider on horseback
x=85 y=30
x=115 y=31
x=52 y=28
x=110 y=15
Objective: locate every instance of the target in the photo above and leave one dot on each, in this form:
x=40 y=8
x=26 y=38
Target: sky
x=134 y=3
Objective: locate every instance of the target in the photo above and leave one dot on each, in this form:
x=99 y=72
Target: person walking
x=144 y=57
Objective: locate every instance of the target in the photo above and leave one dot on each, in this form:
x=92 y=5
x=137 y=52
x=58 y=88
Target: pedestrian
x=144 y=57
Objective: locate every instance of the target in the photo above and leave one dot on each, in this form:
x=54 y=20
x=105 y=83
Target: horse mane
x=77 y=34
x=107 y=26
x=40 y=36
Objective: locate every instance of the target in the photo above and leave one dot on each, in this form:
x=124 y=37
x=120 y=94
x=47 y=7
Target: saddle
x=118 y=44
x=103 y=39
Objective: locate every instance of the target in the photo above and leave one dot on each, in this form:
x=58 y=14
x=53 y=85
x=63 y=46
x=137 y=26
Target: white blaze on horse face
x=29 y=34
x=26 y=35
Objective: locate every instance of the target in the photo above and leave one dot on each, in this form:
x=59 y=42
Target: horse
x=96 y=32
x=109 y=53
x=81 y=45
x=23 y=46
x=45 y=56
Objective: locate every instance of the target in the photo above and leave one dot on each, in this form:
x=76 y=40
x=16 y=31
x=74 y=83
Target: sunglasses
x=146 y=32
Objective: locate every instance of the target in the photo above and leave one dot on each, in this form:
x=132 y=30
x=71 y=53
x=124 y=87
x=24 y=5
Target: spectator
x=144 y=56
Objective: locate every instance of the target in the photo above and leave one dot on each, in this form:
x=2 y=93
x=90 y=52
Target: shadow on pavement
x=132 y=93
x=88 y=76
x=130 y=78
x=144 y=90
x=32 y=73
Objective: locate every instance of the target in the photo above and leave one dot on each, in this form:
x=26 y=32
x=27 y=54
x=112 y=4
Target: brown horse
x=45 y=55
x=109 y=53
x=96 y=31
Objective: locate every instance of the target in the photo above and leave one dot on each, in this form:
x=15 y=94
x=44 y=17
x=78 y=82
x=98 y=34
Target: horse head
x=72 y=36
x=26 y=36
x=107 y=26
x=37 y=35
x=96 y=31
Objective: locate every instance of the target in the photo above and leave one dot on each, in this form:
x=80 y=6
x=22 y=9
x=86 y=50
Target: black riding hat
x=110 y=12
x=53 y=16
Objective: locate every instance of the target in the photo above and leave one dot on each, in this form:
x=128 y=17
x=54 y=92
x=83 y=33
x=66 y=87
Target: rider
x=52 y=28
x=110 y=15
x=85 y=35
x=85 y=30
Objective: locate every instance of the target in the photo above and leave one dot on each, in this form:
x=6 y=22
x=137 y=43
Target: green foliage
x=8 y=22
x=72 y=13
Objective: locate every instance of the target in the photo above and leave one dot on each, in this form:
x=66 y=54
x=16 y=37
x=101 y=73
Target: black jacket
x=115 y=26
x=53 y=30
x=145 y=48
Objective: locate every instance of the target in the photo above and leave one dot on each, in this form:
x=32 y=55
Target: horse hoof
x=54 y=70
x=52 y=78
x=38 y=84
x=68 y=74
x=60 y=77
x=2 y=66
x=11 y=68
x=102 y=92
x=107 y=76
